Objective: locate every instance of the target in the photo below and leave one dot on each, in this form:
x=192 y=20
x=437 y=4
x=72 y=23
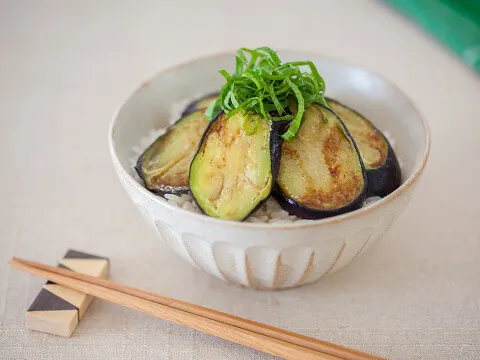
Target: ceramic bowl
x=270 y=256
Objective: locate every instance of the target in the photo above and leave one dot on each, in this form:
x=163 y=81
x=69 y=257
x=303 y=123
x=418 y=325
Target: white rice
x=269 y=213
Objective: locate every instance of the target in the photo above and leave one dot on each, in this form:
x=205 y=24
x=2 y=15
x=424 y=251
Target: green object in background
x=455 y=23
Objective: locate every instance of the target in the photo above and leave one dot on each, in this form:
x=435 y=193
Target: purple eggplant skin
x=176 y=190
x=305 y=212
x=276 y=140
x=138 y=166
x=384 y=179
x=194 y=105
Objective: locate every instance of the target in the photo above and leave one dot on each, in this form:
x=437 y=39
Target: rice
x=269 y=213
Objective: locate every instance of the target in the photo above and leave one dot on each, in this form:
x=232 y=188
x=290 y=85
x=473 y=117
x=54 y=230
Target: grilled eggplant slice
x=381 y=163
x=164 y=166
x=200 y=104
x=321 y=172
x=233 y=172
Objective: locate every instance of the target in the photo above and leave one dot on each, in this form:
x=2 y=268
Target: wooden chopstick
x=224 y=331
x=294 y=338
x=335 y=351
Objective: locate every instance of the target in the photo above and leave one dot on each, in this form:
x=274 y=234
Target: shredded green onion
x=263 y=85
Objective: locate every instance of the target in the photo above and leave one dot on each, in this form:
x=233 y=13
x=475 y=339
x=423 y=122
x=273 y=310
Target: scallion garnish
x=265 y=86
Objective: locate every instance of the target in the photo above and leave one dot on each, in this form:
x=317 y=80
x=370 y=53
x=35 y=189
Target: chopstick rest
x=56 y=309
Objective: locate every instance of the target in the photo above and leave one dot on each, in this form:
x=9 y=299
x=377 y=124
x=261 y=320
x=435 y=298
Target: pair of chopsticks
x=258 y=336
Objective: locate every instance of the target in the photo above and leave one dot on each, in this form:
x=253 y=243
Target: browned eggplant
x=200 y=104
x=321 y=172
x=164 y=166
x=234 y=172
x=381 y=163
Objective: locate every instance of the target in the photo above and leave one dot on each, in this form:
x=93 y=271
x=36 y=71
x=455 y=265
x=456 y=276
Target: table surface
x=66 y=66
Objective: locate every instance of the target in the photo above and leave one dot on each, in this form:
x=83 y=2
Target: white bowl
x=270 y=256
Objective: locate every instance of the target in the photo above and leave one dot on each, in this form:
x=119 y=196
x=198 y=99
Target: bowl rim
x=266 y=226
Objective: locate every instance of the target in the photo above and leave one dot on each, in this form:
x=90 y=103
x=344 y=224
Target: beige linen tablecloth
x=65 y=66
